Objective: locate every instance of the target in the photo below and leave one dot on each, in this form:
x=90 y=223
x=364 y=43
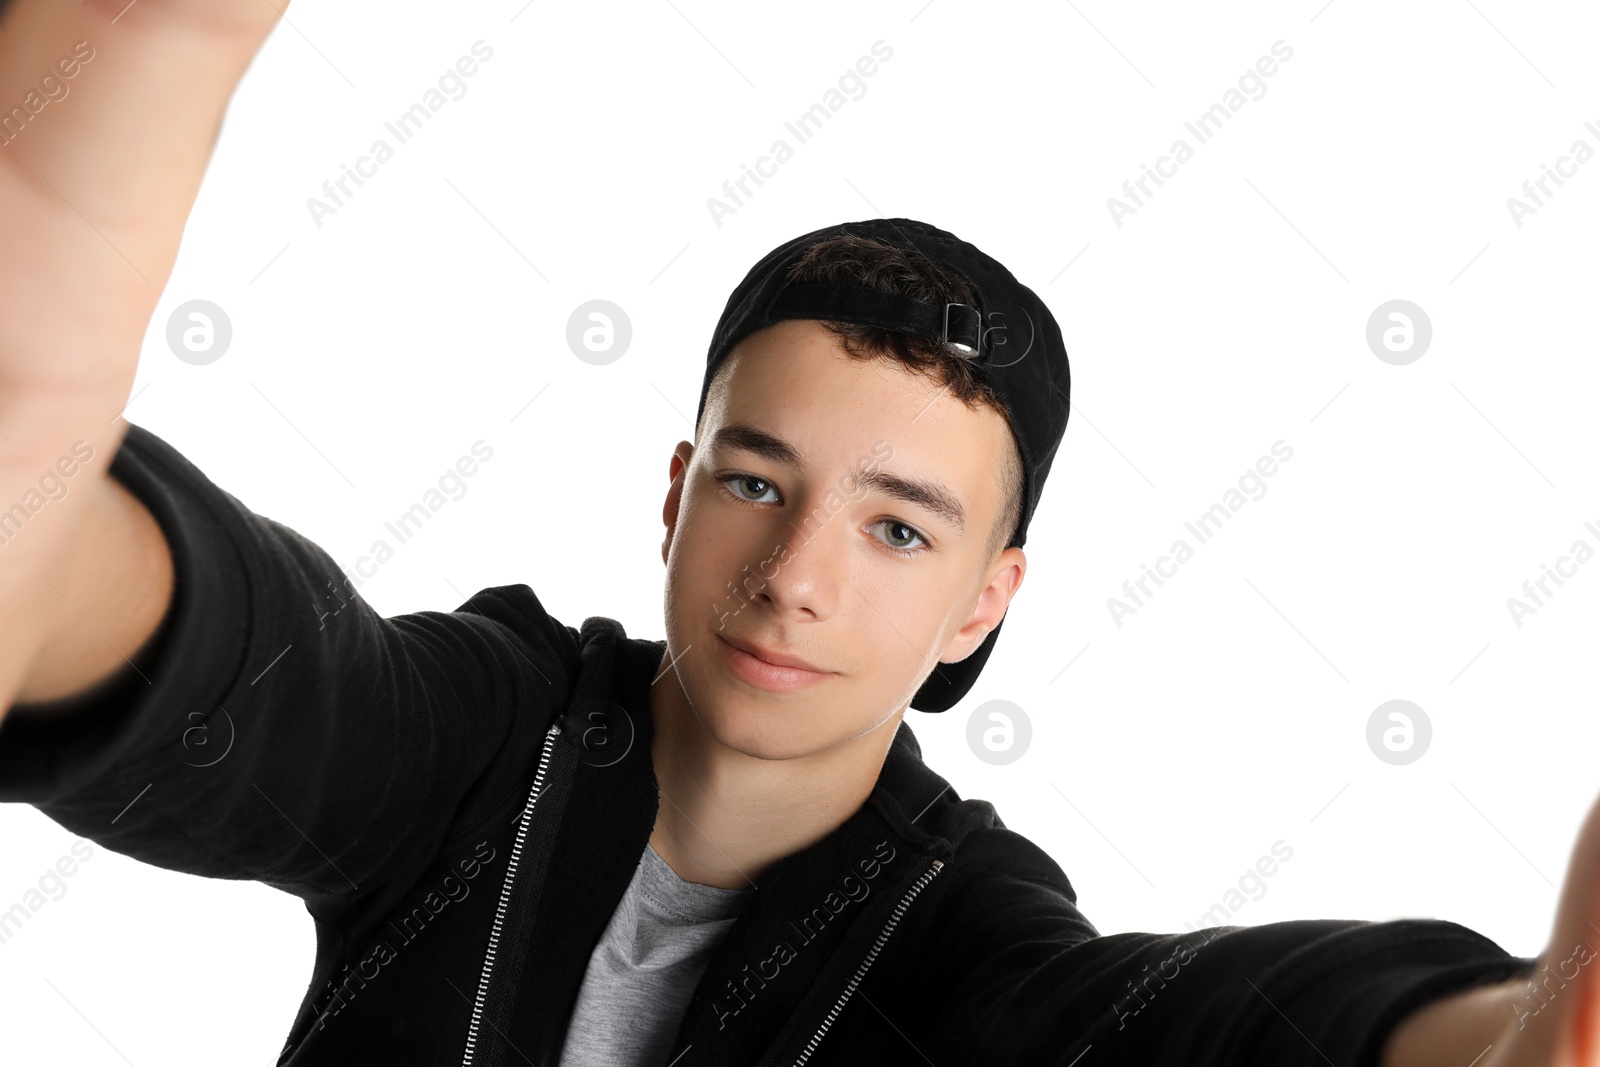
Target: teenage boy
x=527 y=842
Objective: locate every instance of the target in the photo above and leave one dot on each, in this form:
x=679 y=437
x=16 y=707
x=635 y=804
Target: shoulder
x=995 y=870
x=1000 y=904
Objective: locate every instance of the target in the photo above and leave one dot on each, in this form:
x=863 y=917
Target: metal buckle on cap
x=967 y=337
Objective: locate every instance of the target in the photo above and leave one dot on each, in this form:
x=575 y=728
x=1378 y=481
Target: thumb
x=1565 y=984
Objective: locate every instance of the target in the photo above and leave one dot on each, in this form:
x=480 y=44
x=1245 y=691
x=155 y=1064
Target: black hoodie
x=461 y=799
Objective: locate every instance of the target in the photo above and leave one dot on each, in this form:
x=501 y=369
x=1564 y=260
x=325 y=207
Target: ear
x=1004 y=581
x=677 y=472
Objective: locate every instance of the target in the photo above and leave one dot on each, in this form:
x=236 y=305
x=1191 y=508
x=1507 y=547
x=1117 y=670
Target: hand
x=1548 y=1019
x=108 y=114
x=1556 y=1015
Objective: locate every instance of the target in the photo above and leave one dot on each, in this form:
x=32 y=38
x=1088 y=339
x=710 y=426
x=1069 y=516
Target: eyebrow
x=925 y=494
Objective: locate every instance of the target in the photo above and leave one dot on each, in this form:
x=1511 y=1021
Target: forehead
x=795 y=381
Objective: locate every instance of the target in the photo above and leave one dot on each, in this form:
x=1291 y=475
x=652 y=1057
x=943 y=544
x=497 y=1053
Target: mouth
x=764 y=674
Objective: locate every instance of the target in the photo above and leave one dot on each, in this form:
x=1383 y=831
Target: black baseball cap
x=1007 y=334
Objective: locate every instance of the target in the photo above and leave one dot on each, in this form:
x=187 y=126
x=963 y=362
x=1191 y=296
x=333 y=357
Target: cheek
x=715 y=546
x=923 y=622
x=898 y=608
x=702 y=585
x=694 y=542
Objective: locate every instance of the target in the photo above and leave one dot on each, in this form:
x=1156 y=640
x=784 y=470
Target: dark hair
x=906 y=272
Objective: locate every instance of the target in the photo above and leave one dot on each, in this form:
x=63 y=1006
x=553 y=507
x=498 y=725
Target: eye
x=911 y=532
x=736 y=479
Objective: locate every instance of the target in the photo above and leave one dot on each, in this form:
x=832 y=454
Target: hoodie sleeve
x=279 y=730
x=1033 y=982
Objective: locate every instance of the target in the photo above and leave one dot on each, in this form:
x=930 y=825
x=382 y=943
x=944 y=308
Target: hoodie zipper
x=505 y=892
x=872 y=954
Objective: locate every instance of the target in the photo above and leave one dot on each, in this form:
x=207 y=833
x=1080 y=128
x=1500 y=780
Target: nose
x=801 y=576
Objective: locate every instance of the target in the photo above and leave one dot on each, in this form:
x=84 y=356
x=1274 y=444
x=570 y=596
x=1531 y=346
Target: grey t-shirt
x=644 y=969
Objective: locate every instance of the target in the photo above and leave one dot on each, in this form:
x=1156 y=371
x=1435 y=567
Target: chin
x=762 y=734
x=761 y=725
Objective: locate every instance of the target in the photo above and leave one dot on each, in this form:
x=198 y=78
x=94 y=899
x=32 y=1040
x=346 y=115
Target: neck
x=725 y=817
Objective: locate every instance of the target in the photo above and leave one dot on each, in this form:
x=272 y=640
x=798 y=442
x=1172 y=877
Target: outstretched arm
x=272 y=726
x=110 y=112
x=1013 y=972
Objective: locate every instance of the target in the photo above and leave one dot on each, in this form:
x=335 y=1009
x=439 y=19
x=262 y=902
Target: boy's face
x=798 y=555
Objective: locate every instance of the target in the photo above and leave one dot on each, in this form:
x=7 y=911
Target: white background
x=1229 y=312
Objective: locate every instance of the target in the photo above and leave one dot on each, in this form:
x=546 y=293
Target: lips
x=746 y=661
x=772 y=656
